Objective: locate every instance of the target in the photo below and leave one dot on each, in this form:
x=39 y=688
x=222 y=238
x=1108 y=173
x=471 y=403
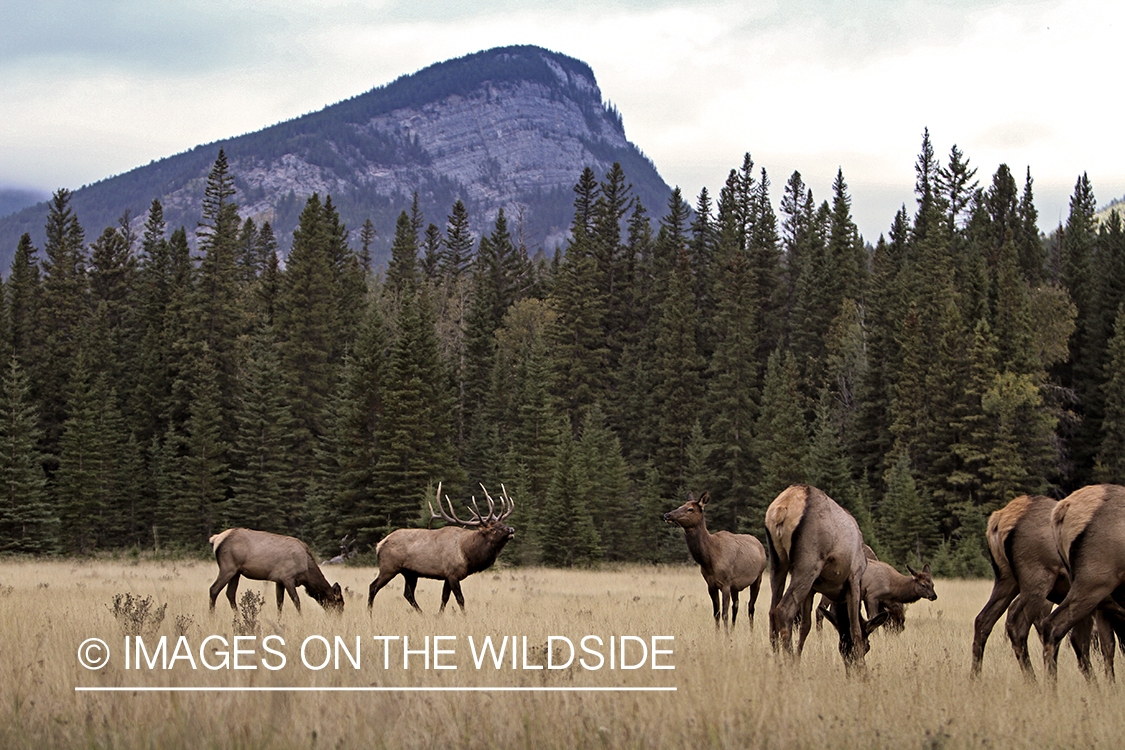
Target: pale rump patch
x=1000 y=525
x=784 y=514
x=216 y=539
x=1073 y=514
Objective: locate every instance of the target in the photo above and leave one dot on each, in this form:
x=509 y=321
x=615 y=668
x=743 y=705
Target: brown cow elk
x=1029 y=574
x=896 y=610
x=729 y=562
x=1089 y=531
x=448 y=554
x=263 y=556
x=885 y=589
x=818 y=546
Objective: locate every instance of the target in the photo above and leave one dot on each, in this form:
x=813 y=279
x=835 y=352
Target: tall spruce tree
x=28 y=523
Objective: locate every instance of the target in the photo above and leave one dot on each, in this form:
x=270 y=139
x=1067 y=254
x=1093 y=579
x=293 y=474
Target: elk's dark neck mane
x=479 y=552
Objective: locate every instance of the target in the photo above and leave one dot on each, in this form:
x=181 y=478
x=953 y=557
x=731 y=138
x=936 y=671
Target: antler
x=506 y=505
x=451 y=517
x=494 y=514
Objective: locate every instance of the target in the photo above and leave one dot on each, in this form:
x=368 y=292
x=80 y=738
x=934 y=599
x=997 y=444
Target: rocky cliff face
x=510 y=128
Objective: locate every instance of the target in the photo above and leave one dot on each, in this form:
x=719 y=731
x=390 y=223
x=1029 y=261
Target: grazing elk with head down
x=1089 y=531
x=263 y=556
x=448 y=554
x=729 y=562
x=819 y=547
x=1029 y=574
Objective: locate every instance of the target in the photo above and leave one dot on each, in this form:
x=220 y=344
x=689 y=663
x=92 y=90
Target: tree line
x=153 y=394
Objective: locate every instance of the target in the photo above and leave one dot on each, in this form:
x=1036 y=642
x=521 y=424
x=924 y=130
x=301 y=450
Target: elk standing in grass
x=819 y=547
x=448 y=554
x=885 y=589
x=729 y=562
x=263 y=556
x=1089 y=532
x=1029 y=574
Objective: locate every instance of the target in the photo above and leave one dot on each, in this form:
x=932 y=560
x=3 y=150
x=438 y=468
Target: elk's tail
x=217 y=539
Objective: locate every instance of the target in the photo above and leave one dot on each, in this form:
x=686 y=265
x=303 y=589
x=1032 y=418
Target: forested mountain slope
x=506 y=128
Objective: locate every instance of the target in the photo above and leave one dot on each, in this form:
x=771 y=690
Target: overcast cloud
x=94 y=89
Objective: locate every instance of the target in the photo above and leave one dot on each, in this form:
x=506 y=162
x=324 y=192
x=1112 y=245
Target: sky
x=90 y=90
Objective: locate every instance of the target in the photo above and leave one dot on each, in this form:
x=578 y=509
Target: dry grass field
x=730 y=691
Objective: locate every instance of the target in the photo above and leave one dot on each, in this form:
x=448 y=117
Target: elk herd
x=1069 y=553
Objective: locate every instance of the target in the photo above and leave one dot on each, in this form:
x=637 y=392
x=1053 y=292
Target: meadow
x=730 y=690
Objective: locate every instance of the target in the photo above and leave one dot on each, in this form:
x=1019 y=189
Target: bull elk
x=818 y=546
x=448 y=554
x=729 y=562
x=263 y=556
x=1089 y=531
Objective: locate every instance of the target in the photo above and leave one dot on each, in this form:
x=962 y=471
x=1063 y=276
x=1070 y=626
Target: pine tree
x=1111 y=455
x=780 y=435
x=677 y=384
x=906 y=527
x=200 y=503
x=262 y=455
x=28 y=523
x=569 y=534
x=413 y=434
x=458 y=253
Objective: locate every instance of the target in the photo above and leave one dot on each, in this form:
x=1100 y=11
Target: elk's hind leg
x=733 y=606
x=228 y=579
x=380 y=581
x=408 y=588
x=232 y=591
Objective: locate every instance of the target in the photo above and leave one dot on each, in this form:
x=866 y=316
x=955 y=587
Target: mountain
x=15 y=199
x=510 y=128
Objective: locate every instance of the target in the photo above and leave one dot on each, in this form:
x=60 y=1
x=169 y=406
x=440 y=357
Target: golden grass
x=730 y=691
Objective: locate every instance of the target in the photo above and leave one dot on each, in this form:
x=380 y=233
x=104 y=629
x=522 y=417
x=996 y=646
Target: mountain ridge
x=510 y=127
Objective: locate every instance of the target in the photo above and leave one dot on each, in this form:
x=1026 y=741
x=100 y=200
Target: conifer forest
x=157 y=390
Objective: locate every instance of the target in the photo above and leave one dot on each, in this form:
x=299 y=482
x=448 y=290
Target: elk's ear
x=704 y=498
x=871 y=625
x=827 y=614
x=911 y=570
x=690 y=497
x=926 y=568
x=336 y=589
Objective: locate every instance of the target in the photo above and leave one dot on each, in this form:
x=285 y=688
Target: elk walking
x=1089 y=531
x=729 y=562
x=818 y=546
x=263 y=556
x=1029 y=574
x=448 y=554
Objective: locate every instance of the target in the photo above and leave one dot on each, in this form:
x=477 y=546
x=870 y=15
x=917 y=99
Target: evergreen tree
x=906 y=528
x=458 y=252
x=413 y=434
x=262 y=456
x=28 y=523
x=200 y=503
x=569 y=534
x=780 y=436
x=677 y=386
x=402 y=273
x=1111 y=455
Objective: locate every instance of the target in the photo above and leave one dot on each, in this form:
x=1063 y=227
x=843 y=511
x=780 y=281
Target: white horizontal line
x=141 y=689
